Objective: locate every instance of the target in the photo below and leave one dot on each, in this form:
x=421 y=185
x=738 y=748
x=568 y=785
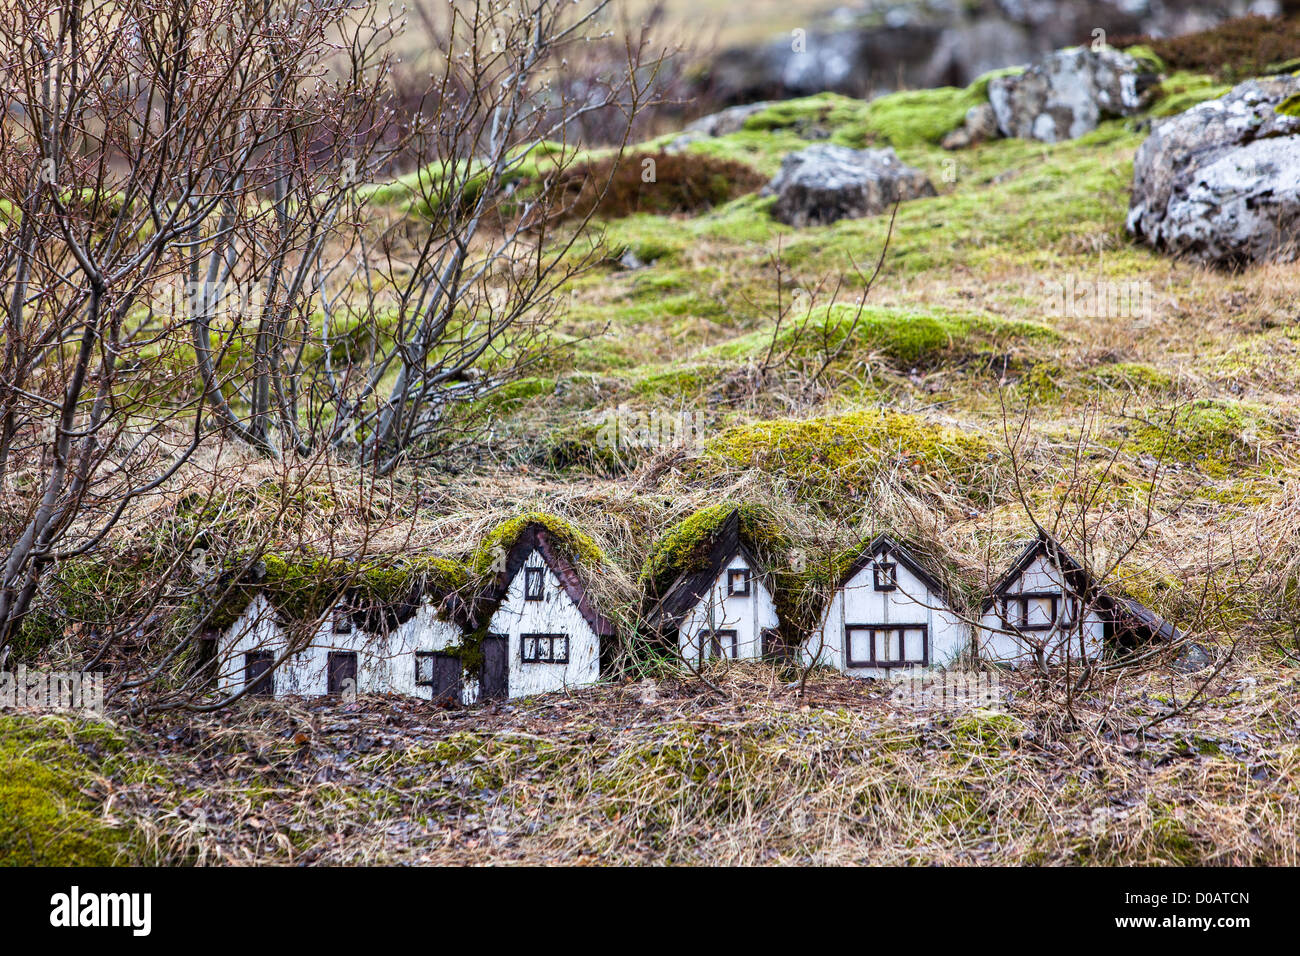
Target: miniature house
x=724 y=609
x=541 y=630
x=341 y=656
x=1047 y=607
x=888 y=612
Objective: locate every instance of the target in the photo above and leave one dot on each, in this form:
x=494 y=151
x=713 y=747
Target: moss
x=685 y=546
x=838 y=453
x=1181 y=91
x=986 y=732
x=1214 y=434
x=87 y=593
x=907 y=337
x=48 y=767
x=518 y=392
x=576 y=545
x=1041 y=384
x=1147 y=58
x=1132 y=376
x=903 y=119
x=1289 y=106
x=679 y=382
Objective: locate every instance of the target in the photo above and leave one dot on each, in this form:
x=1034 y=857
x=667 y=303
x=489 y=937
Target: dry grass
x=666 y=771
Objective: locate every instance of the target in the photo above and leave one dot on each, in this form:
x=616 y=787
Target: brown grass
x=666 y=771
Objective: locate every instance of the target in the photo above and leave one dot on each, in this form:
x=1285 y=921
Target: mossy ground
x=669 y=771
x=52 y=810
x=960 y=401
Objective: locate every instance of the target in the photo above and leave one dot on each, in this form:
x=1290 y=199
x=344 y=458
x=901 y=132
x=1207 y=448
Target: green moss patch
x=576 y=545
x=685 y=546
x=1216 y=435
x=48 y=813
x=834 y=454
x=906 y=337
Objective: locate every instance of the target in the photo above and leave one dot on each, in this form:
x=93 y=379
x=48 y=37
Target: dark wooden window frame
x=342 y=621
x=551 y=640
x=743 y=574
x=1022 y=599
x=537 y=577
x=894 y=631
x=429 y=656
x=266 y=678
x=889 y=580
x=714 y=637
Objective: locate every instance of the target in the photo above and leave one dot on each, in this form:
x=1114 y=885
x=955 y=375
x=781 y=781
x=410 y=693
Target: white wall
x=717 y=610
x=385 y=664
x=1000 y=644
x=911 y=602
x=556 y=613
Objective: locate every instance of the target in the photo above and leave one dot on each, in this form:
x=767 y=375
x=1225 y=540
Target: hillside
x=957 y=371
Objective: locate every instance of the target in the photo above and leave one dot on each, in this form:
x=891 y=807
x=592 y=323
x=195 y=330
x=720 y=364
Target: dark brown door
x=446 y=679
x=257 y=673
x=341 y=672
x=494 y=682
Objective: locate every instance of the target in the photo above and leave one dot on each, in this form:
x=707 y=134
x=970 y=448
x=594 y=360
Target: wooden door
x=341 y=672
x=494 y=681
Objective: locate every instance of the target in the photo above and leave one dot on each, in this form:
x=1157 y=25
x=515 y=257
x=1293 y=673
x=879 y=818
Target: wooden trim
x=744 y=575
x=1023 y=599
x=532 y=575
x=263 y=684
x=891 y=575
x=898 y=630
x=538 y=659
x=716 y=637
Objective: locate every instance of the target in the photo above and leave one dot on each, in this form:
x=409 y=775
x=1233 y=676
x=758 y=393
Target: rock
x=1220 y=183
x=868 y=47
x=980 y=126
x=1067 y=93
x=1192 y=658
x=825 y=183
x=969 y=51
x=730 y=120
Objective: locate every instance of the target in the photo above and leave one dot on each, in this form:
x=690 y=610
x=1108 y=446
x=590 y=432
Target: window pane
x=914 y=644
x=1040 y=611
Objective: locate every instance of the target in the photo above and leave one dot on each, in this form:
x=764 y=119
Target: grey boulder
x=1067 y=93
x=1220 y=183
x=825 y=183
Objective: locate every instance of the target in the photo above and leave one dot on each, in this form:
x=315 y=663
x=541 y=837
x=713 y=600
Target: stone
x=1220 y=183
x=825 y=183
x=1067 y=93
x=979 y=126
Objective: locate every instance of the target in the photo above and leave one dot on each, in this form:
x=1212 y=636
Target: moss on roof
x=685 y=547
x=576 y=545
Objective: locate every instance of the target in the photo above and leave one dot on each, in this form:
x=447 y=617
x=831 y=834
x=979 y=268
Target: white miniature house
x=531 y=629
x=888 y=612
x=540 y=629
x=722 y=610
x=259 y=652
x=1047 y=608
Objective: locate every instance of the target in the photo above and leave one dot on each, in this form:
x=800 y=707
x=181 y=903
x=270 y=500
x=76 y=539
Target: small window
x=738 y=582
x=534 y=581
x=440 y=672
x=886 y=645
x=717 y=643
x=1038 y=610
x=258 y=676
x=544 y=648
x=342 y=621
x=886 y=575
